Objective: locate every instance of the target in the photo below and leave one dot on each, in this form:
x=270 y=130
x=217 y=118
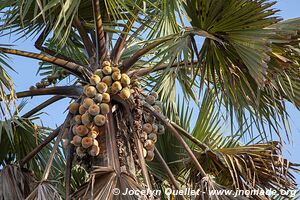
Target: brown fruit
x=148 y=118
x=102 y=87
x=86 y=142
x=94 y=110
x=105 y=98
x=115 y=69
x=87 y=102
x=155 y=94
x=80 y=152
x=150 y=99
x=150 y=155
x=156 y=108
x=82 y=130
x=76 y=140
x=149 y=144
x=93 y=134
x=77 y=119
x=147 y=128
x=116 y=87
x=94 y=151
x=125 y=80
x=98 y=98
x=73 y=108
x=90 y=91
x=74 y=129
x=106 y=63
x=104 y=107
x=99 y=73
x=82 y=109
x=153 y=137
x=85 y=118
x=95 y=79
x=116 y=76
x=99 y=120
x=125 y=93
x=144 y=135
x=107 y=70
x=107 y=80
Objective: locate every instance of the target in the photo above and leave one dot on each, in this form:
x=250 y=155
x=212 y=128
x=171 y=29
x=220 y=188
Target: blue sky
x=54 y=114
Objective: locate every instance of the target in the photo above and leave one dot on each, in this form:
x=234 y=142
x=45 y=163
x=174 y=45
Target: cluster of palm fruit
x=151 y=127
x=51 y=79
x=90 y=113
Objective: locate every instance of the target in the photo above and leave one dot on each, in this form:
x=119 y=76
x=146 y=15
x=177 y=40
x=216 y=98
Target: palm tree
x=235 y=59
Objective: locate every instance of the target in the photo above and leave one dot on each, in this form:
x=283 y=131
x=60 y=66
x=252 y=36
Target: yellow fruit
x=156 y=108
x=115 y=69
x=107 y=70
x=147 y=128
x=90 y=91
x=116 y=76
x=86 y=142
x=94 y=110
x=80 y=152
x=150 y=155
x=99 y=120
x=153 y=137
x=144 y=152
x=149 y=144
x=104 y=107
x=107 y=80
x=106 y=63
x=125 y=80
x=93 y=134
x=99 y=73
x=102 y=87
x=154 y=94
x=76 y=140
x=150 y=99
x=77 y=119
x=82 y=130
x=95 y=142
x=82 y=109
x=116 y=87
x=125 y=93
x=98 y=98
x=94 y=151
x=73 y=108
x=105 y=98
x=87 y=102
x=95 y=79
x=85 y=118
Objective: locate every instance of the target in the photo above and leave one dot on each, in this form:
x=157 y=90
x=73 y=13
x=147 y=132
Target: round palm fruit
x=150 y=99
x=125 y=80
x=158 y=103
x=155 y=94
x=154 y=128
x=148 y=118
x=93 y=134
x=76 y=140
x=73 y=108
x=115 y=69
x=86 y=142
x=144 y=152
x=104 y=107
x=99 y=120
x=94 y=128
x=116 y=87
x=94 y=150
x=105 y=98
x=98 y=98
x=82 y=130
x=156 y=108
x=95 y=79
x=150 y=155
x=107 y=80
x=153 y=137
x=85 y=118
x=95 y=142
x=102 y=87
x=147 y=128
x=45 y=83
x=116 y=76
x=144 y=135
x=32 y=87
x=87 y=102
x=161 y=129
x=90 y=91
x=107 y=70
x=80 y=152
x=106 y=63
x=39 y=85
x=77 y=119
x=74 y=129
x=82 y=109
x=99 y=73
x=94 y=110
x=148 y=144
x=125 y=93
x=65 y=143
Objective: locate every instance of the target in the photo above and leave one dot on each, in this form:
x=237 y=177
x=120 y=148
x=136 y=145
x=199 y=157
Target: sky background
x=55 y=114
